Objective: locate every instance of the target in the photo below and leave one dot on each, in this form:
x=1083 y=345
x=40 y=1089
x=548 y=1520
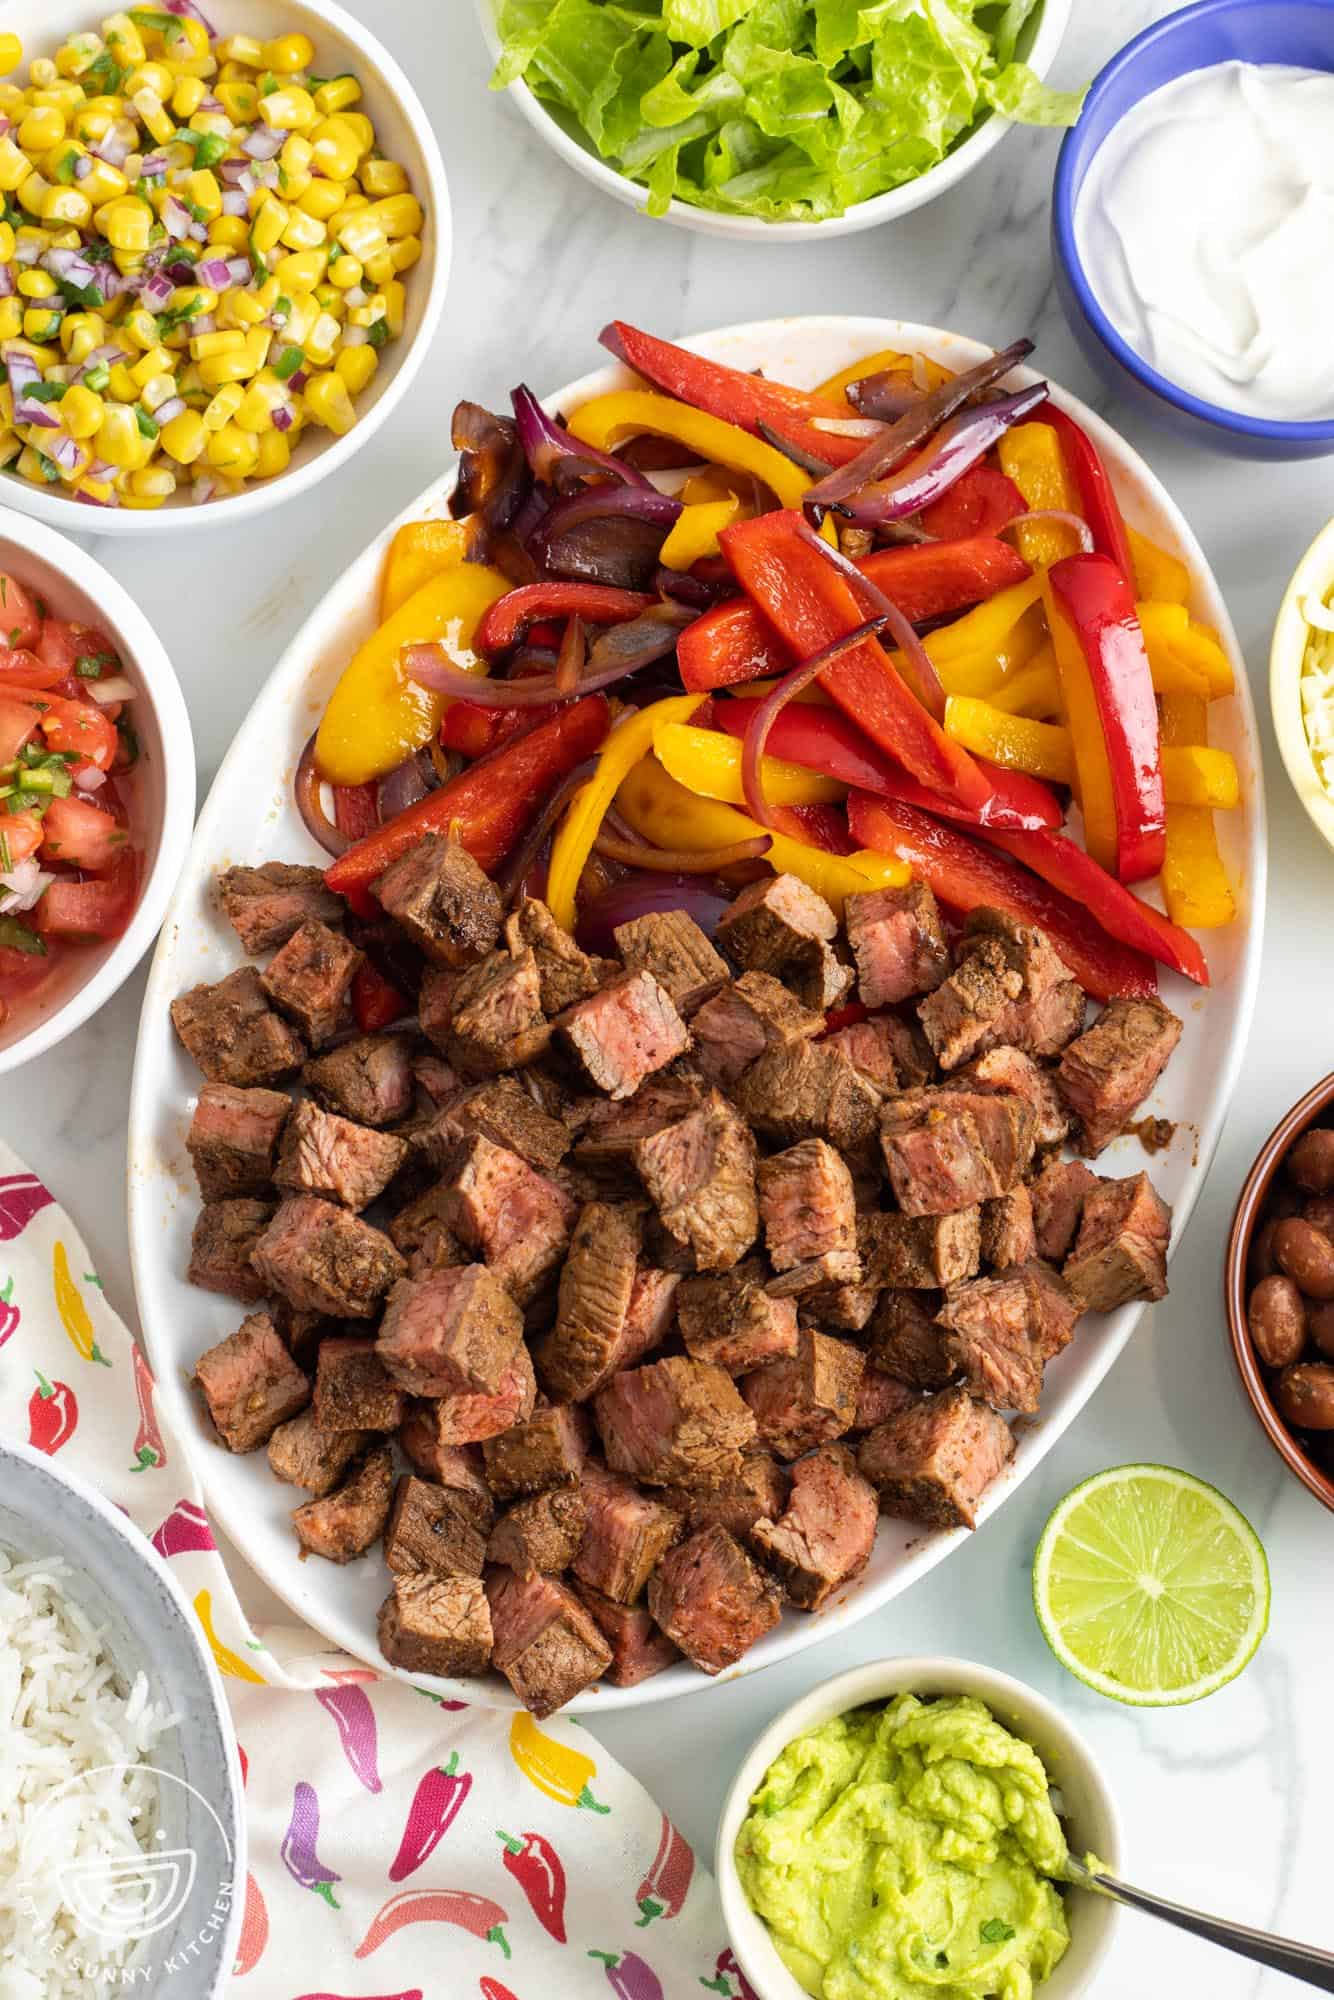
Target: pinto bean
x=1319 y=1209
x=1276 y=1317
x=1321 y=1324
x=1310 y=1160
x=1261 y=1262
x=1305 y=1395
x=1306 y=1255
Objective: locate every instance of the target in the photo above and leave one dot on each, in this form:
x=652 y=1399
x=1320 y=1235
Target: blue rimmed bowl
x=1298 y=32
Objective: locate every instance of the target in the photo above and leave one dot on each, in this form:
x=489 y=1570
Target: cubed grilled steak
x=1008 y=1233
x=495 y=1016
x=808 y=1398
x=221 y=1247
x=712 y=1600
x=733 y=1322
x=743 y=1020
x=625 y=1537
x=454 y=1332
x=436 y=1625
x=546 y=1449
x=775 y=925
x=1106 y=1075
x=352 y=1390
x=301 y=1453
x=369 y=1080
x=457 y=1466
x=310 y=981
x=329 y=1156
x=806 y=1090
x=265 y=905
x=437 y=894
x=898 y=942
x=671 y=946
x=823 y=1538
x=233 y=1033
x=518 y=1219
x=638 y=1649
x=503 y=1112
x=321 y=1259
x=674 y=1423
x=1001 y=1332
x=879 y=1398
x=624 y=1032
x=1121 y=1250
x=1011 y=1070
x=906 y=1340
x=539 y=1536
x=810 y=1218
x=921 y=1252
x=433 y=1528
x=251 y=1384
x=949 y=1149
x=596 y=1288
x=700 y=1176
x=1058 y=1202
x=758 y=1493
x=565 y=973
x=605 y=1147
x=345 y=1523
x=545 y=1643
x=233 y=1139
x=934 y=1462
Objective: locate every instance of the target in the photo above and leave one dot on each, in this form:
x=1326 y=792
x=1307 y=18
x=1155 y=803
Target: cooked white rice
x=64 y=1712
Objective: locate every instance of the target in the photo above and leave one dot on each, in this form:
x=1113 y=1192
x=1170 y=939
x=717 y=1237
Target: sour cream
x=1206 y=226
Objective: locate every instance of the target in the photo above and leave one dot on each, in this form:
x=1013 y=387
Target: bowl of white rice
x=122 y=1859
x=1301 y=681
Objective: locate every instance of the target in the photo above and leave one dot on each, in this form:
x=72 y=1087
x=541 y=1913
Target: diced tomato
x=20 y=620
x=21 y=668
x=80 y=727
x=20 y=971
x=98 y=908
x=22 y=834
x=978 y=504
x=82 y=835
x=18 y=724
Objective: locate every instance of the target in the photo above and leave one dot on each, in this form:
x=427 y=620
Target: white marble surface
x=1225 y=1804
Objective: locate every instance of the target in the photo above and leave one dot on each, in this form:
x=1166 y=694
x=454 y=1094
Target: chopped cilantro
x=92 y=666
x=129 y=742
x=268 y=86
x=46 y=392
x=377 y=333
x=90 y=297
x=97 y=252
x=105 y=76
x=996 y=1931
x=288 y=362
x=6 y=858
x=49 y=469
x=147 y=427
x=209 y=150
x=152 y=17
x=17 y=937
x=167 y=322
x=24 y=801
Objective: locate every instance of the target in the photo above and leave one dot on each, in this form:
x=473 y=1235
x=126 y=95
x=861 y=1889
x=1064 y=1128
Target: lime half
x=1150 y=1586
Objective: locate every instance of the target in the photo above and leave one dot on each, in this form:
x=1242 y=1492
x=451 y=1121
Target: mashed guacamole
x=905 y=1852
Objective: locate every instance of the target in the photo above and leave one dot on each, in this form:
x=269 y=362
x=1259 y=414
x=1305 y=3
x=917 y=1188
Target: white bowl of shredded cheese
x=1301 y=681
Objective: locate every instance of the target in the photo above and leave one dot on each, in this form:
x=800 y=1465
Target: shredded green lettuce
x=790 y=110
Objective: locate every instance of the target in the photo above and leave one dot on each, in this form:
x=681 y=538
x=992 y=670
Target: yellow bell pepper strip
x=609 y=420
x=709 y=763
x=1158 y=574
x=667 y=813
x=74 y=1316
x=1195 y=885
x=558 y=1772
x=629 y=741
x=887 y=362
x=377 y=714
x=419 y=551
x=1193 y=775
x=697 y=530
x=1168 y=627
x=1034 y=691
x=987 y=626
x=1031 y=456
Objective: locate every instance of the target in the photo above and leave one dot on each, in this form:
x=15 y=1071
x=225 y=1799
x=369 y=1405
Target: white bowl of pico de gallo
x=97 y=786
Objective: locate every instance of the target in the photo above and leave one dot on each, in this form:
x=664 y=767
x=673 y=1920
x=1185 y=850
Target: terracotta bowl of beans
x=1280 y=1289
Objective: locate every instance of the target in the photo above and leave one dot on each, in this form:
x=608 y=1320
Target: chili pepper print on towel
x=480 y=1916
x=562 y=1773
x=664 y=1889
x=53 y=1414
x=436 y=1804
x=540 y=1873
x=9 y=1312
x=354 y=1719
x=149 y=1451
x=21 y=1197
x=299 y=1846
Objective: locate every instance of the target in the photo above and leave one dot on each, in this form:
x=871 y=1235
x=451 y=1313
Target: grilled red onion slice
x=634 y=853
x=605 y=534
x=956 y=446
x=511 y=877
x=405 y=784
x=621 y=650
x=310 y=804
x=557 y=458
x=922 y=676
x=646 y=895
x=493 y=476
x=23 y=372
x=819 y=468
x=762 y=721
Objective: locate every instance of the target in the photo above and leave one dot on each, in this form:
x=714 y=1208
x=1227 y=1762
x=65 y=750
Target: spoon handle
x=1299 y=1961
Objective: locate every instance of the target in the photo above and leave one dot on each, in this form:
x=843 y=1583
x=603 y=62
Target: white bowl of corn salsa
x=1301 y=681
x=224 y=241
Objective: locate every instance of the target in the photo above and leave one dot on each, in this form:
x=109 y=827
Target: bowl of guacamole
x=901 y=1834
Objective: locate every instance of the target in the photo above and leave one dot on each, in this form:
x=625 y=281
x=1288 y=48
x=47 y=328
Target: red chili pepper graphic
x=354 y=1719
x=53 y=1414
x=299 y=1844
x=476 y=1914
x=727 y=1970
x=667 y=1884
x=9 y=1312
x=245 y=1766
x=538 y=1870
x=491 y=1989
x=631 y=1978
x=149 y=1449
x=254 y=1930
x=21 y=1196
x=435 y=1806
x=185 y=1530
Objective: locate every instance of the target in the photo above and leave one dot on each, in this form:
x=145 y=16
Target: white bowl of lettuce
x=777 y=118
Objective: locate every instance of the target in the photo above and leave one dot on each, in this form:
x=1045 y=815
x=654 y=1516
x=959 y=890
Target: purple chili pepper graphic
x=299 y=1844
x=184 y=1530
x=354 y=1719
x=630 y=1977
x=21 y=1196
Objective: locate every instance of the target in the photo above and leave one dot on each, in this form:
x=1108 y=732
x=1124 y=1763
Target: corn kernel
x=340 y=93
x=100 y=490
x=7 y=242
x=184 y=437
x=121 y=385
x=123 y=39
x=41 y=323
x=360 y=234
x=321 y=199
x=354 y=198
x=140 y=326
x=240 y=49
x=405 y=253
x=322 y=340
x=32 y=467
x=118 y=439
x=43 y=128
x=220 y=369
x=42 y=73
x=288 y=109
x=204 y=346
x=15 y=166
x=334 y=145
x=215 y=122
x=11 y=319
x=345 y=272
x=357 y=366
x=328 y=403
x=288 y=55
x=223 y=406
x=239 y=310
x=153 y=115
x=296 y=155
x=361 y=129
x=81 y=411
x=11 y=54
x=151 y=363
x=233 y=451
x=126 y=225
x=382 y=177
x=240 y=100
x=395 y=307
x=399 y=214
x=188 y=95
x=33 y=192
x=153 y=482
x=156 y=391
x=302 y=317
x=303 y=231
x=265 y=394
x=37 y=285
x=80 y=333
x=103 y=183
x=380 y=268
x=66 y=207
x=301 y=270
x=258 y=341
x=275 y=454
x=203 y=189
x=267 y=228
x=228 y=232
x=329 y=299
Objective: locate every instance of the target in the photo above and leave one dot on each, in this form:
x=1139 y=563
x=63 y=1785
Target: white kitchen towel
x=400 y=1848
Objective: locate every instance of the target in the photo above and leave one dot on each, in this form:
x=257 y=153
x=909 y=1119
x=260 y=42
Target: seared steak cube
x=233 y=1033
x=1008 y=1235
x=625 y=1536
x=421 y=1226
x=949 y=1149
x=674 y=1423
x=503 y=1112
x=807 y=1091
x=436 y=1625
x=898 y=942
x=233 y=1139
x=303 y=1454
x=251 y=1384
x=369 y=1081
x=496 y=1020
x=433 y=1528
x=671 y=946
x=624 y=1032
x=441 y=898
x=435 y=1004
x=352 y=1390
x=847 y=1307
x=822 y=979
x=546 y=1645
x=321 y=1259
x=712 y=1600
x=810 y=1217
x=757 y=1493
x=606 y=1146
x=326 y=1155
x=934 y=1462
x=1058 y=1202
x=1028 y=951
x=1001 y=1332
x=1044 y=1025
x=546 y=1449
x=807 y=1399
x=743 y=1020
x=310 y=980
x=265 y=905
x=468 y=1416
x=652 y=1311
x=906 y=1341
x=824 y=1537
x=345 y=1523
x=224 y=1237
x=774 y=925
x=596 y=1286
x=454 y=1331
x=1106 y=1075
x=457 y=1466
x=879 y=1398
x=958 y=1016
x=920 y=1252
x=638 y=1649
x=1121 y=1252
x=870 y=1047
x=518 y=1219
x=700 y=1176
x=566 y=974
x=733 y=1322
x=1009 y=1069
x=540 y=1535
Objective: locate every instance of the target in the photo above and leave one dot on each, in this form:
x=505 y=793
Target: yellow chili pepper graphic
x=73 y=1312
x=555 y=1769
x=228 y=1662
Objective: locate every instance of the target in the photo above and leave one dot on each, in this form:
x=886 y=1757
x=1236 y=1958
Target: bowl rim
x=1069 y=161
x=868 y=214
x=1287 y=652
x=880 y=1679
x=1245 y=1216
x=156 y=679
x=59 y=510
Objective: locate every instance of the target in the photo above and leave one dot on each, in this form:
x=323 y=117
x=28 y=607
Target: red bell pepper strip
x=812 y=605
x=540 y=1873
x=53 y=1415
x=436 y=1804
x=489 y=804
x=665 y=1886
x=824 y=740
x=738 y=398
x=1122 y=915
x=491 y=1989
x=506 y=621
x=733 y=643
x=356 y=809
x=967 y=875
x=149 y=1450
x=476 y=730
x=376 y=1001
x=1097 y=497
x=850 y=1016
x=477 y=1915
x=978 y=504
x=354 y=1719
x=1107 y=685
